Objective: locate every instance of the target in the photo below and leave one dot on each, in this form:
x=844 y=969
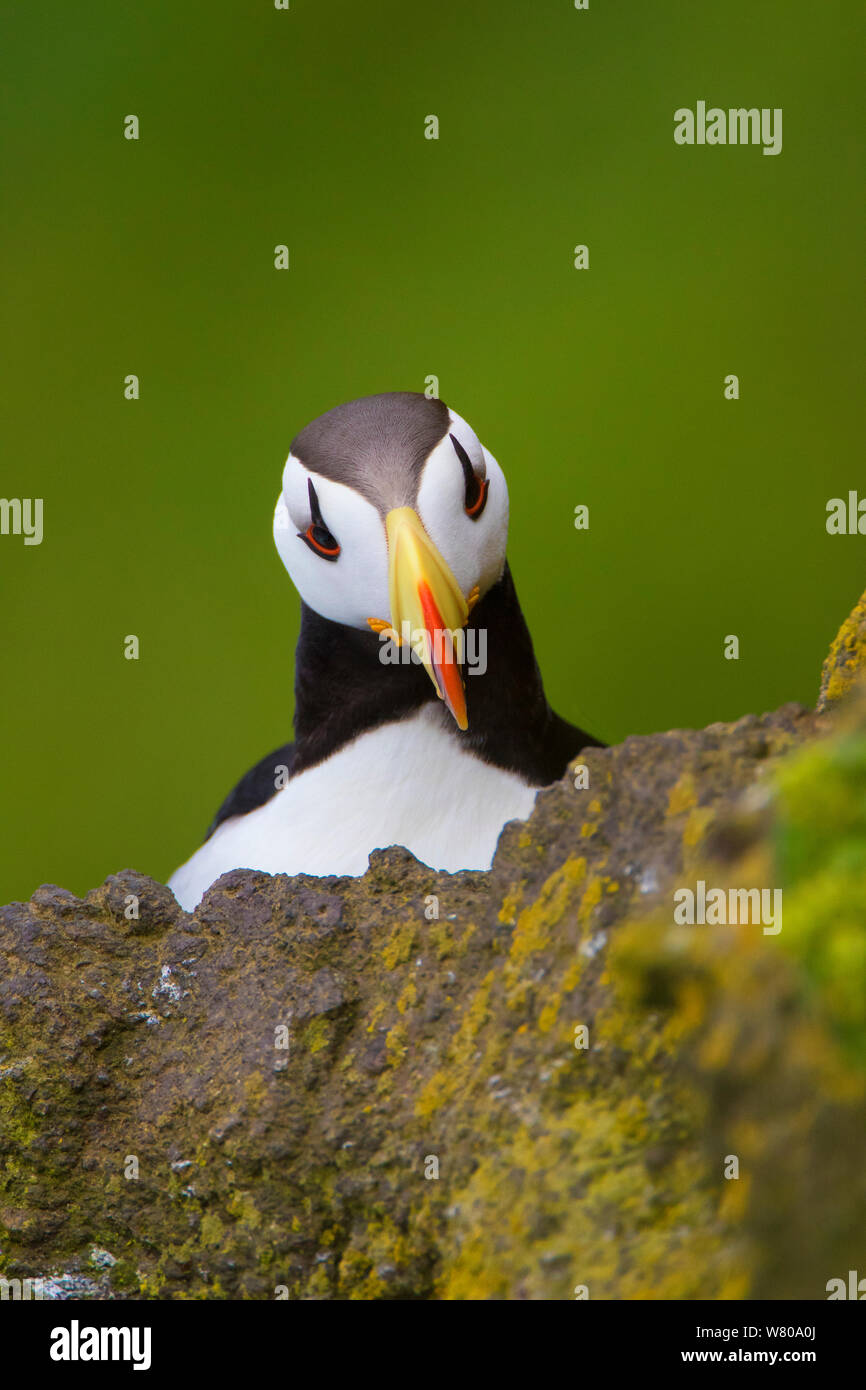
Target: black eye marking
x=317 y=536
x=475 y=488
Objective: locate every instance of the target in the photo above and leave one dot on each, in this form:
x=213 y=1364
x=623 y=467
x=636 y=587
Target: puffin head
x=393 y=516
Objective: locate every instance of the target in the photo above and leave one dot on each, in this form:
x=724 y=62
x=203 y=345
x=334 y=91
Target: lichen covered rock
x=523 y=1084
x=846 y=660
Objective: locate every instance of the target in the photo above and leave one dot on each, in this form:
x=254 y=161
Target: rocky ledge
x=532 y=1083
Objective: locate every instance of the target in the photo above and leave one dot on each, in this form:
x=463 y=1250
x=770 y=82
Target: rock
x=846 y=660
x=319 y=1088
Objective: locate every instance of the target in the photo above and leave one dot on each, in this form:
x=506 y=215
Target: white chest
x=408 y=783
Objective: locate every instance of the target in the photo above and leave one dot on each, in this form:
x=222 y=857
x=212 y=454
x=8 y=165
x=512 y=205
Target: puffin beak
x=425 y=595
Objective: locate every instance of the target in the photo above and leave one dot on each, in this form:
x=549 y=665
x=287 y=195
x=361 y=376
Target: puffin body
x=392 y=523
x=449 y=816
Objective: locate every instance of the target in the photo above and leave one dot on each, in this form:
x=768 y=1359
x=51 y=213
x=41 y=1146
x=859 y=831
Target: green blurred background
x=409 y=257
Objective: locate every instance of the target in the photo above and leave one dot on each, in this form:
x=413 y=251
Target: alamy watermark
x=846 y=516
x=22 y=516
x=738 y=125
x=721 y=907
x=77 y=1343
x=19 y=1289
x=467 y=646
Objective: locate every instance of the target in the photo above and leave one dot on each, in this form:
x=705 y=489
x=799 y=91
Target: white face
x=354 y=587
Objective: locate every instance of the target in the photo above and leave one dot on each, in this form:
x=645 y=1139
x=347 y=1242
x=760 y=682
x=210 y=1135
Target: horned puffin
x=392 y=523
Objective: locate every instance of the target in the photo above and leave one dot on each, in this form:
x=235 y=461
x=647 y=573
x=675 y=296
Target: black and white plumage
x=392 y=520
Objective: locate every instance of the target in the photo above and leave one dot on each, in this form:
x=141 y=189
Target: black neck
x=342 y=689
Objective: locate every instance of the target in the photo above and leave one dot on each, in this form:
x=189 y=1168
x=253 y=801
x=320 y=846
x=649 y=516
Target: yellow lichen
x=408 y=997
x=398 y=948
x=532 y=932
x=696 y=824
x=682 y=795
x=316 y=1035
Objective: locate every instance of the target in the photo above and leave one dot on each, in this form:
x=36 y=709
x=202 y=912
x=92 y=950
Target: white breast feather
x=406 y=783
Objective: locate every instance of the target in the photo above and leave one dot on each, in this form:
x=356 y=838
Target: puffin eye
x=475 y=493
x=317 y=536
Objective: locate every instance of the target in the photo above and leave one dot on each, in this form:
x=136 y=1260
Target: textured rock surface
x=846 y=660
x=150 y=1116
